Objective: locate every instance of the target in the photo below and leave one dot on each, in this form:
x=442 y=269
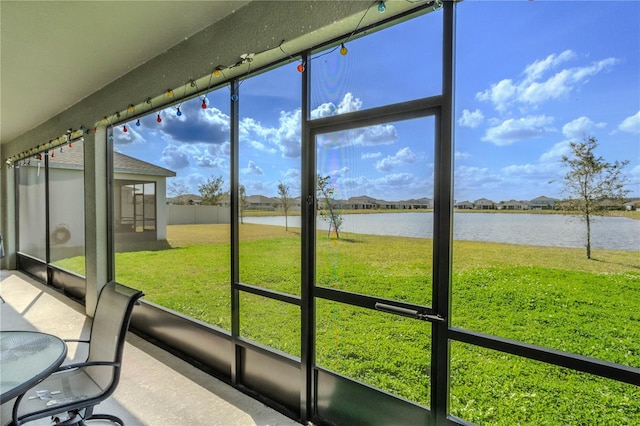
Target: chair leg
x=109 y=417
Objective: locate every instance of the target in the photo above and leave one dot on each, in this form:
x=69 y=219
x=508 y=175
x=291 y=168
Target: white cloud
x=580 y=127
x=120 y=137
x=404 y=156
x=175 y=156
x=459 y=155
x=514 y=130
x=535 y=70
x=370 y=155
x=252 y=169
x=631 y=124
x=349 y=104
x=500 y=94
x=555 y=153
x=471 y=119
x=261 y=147
x=533 y=89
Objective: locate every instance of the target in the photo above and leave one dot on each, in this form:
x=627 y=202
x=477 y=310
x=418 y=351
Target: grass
x=547 y=296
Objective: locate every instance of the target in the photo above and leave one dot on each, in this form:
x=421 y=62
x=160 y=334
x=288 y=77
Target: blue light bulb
x=178 y=113
x=382 y=7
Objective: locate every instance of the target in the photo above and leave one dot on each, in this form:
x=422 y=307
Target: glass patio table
x=27 y=358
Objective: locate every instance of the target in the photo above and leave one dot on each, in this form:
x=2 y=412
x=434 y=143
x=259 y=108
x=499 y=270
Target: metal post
x=307 y=306
x=235 y=237
x=443 y=225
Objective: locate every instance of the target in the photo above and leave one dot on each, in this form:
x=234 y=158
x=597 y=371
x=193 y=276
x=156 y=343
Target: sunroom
x=325 y=313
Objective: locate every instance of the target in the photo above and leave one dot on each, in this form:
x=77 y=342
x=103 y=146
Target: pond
x=607 y=232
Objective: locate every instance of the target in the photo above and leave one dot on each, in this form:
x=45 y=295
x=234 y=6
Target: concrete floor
x=156 y=388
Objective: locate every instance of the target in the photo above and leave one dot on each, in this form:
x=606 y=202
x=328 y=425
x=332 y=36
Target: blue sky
x=531 y=76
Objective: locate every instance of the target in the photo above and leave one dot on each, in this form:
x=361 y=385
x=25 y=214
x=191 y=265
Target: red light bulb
x=124 y=128
x=159 y=120
x=301 y=68
x=204 y=104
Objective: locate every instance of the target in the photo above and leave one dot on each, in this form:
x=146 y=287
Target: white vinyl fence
x=197 y=215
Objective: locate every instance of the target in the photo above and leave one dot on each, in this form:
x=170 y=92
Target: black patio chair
x=70 y=394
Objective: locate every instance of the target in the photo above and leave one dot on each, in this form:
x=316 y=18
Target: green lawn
x=547 y=296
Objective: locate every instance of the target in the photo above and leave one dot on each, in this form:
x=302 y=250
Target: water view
x=613 y=233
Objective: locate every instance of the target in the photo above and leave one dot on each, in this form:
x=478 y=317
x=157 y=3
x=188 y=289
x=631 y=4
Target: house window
x=137 y=207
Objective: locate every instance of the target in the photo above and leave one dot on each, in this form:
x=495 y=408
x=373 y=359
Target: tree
x=211 y=191
x=327 y=212
x=590 y=180
x=242 y=201
x=287 y=202
x=176 y=190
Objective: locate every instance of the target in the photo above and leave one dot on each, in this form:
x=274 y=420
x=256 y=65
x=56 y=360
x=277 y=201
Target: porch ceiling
x=55 y=53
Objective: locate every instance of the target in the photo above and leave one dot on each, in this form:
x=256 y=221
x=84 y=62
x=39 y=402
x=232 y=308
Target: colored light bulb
x=234 y=97
x=138 y=123
x=159 y=120
x=301 y=68
x=216 y=73
x=382 y=7
x=204 y=104
x=343 y=50
x=124 y=128
x=178 y=112
x=131 y=108
x=169 y=93
x=104 y=120
x=70 y=146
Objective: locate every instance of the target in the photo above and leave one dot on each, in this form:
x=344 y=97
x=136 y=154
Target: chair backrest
x=108 y=331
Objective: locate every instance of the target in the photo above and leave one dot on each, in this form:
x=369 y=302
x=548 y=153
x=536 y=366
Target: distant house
x=483 y=204
x=543 y=203
x=260 y=202
x=632 y=205
x=139 y=188
x=362 y=202
x=608 y=204
x=513 y=205
x=464 y=205
x=420 y=203
x=186 y=199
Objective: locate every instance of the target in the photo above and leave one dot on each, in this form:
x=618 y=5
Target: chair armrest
x=88 y=364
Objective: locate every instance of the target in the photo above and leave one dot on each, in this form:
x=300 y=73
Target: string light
x=217 y=72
